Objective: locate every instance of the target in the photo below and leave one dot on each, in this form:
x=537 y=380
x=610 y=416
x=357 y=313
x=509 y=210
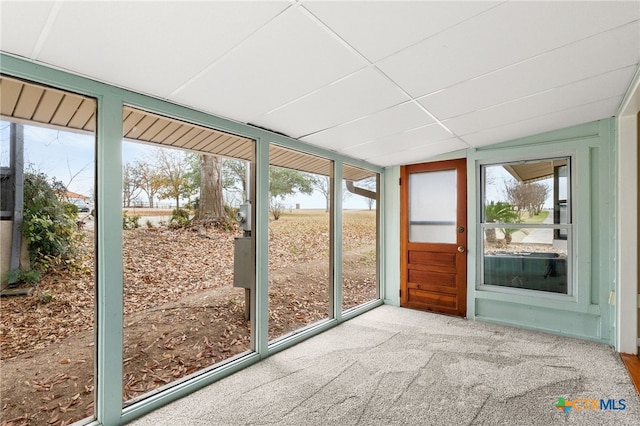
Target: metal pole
x=16 y=137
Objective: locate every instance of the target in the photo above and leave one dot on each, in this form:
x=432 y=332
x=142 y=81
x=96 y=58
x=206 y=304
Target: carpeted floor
x=406 y=367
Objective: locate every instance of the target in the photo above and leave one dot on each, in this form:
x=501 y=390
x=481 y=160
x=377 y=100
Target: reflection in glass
x=533 y=260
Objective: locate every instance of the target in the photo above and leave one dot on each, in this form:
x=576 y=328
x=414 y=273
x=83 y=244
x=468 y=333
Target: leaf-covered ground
x=182 y=313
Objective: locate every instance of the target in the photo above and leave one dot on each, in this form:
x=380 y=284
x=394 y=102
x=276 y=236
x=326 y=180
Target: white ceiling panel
x=371 y=79
x=583 y=92
x=285 y=60
x=25 y=18
x=419 y=154
x=587 y=58
x=383 y=123
x=541 y=124
x=430 y=134
x=358 y=95
x=504 y=35
x=378 y=29
x=153 y=47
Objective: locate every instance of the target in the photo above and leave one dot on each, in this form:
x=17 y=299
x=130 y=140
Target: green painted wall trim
x=335 y=297
x=587 y=313
x=109 y=270
x=391 y=236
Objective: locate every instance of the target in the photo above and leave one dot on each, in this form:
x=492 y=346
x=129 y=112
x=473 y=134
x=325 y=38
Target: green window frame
x=526 y=227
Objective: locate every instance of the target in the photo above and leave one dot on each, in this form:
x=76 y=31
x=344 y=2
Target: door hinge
x=400 y=292
x=399 y=181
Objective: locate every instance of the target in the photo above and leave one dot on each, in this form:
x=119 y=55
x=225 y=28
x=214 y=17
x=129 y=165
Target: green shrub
x=179 y=218
x=22 y=276
x=231 y=213
x=71 y=209
x=49 y=225
x=130 y=221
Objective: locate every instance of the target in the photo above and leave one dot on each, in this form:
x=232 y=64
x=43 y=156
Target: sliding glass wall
x=47 y=233
x=300 y=268
x=176 y=285
x=188 y=260
x=359 y=236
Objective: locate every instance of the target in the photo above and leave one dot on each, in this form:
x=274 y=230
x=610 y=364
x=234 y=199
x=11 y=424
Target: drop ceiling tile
x=378 y=29
x=583 y=92
x=152 y=47
x=604 y=52
x=285 y=60
x=420 y=154
x=21 y=24
x=502 y=36
x=554 y=121
x=399 y=142
x=380 y=124
x=358 y=95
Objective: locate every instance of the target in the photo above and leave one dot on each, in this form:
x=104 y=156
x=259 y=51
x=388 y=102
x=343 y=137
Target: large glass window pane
x=359 y=237
x=533 y=262
x=432 y=209
x=299 y=240
x=526 y=225
x=47 y=344
x=531 y=190
x=188 y=263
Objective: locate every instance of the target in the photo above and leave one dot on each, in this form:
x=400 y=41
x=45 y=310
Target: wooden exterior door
x=433 y=235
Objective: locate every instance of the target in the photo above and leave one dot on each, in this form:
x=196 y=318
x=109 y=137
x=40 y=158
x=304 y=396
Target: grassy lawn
x=539 y=218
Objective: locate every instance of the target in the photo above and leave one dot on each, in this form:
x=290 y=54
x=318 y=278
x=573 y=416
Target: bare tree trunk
x=211 y=203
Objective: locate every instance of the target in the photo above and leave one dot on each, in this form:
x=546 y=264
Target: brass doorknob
x=461 y=249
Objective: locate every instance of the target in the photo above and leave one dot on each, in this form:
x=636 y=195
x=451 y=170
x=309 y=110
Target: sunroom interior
x=341 y=92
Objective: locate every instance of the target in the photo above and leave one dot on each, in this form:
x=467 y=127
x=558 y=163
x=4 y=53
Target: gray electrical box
x=244 y=217
x=243 y=268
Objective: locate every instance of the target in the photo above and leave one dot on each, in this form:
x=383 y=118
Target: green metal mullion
x=109 y=303
x=261 y=230
x=380 y=247
x=336 y=211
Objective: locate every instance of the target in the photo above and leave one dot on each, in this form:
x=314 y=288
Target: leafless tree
x=149 y=179
x=130 y=184
x=526 y=196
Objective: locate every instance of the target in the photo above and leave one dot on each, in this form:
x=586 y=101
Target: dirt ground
x=182 y=313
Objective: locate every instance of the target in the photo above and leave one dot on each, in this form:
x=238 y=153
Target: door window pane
x=432 y=207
